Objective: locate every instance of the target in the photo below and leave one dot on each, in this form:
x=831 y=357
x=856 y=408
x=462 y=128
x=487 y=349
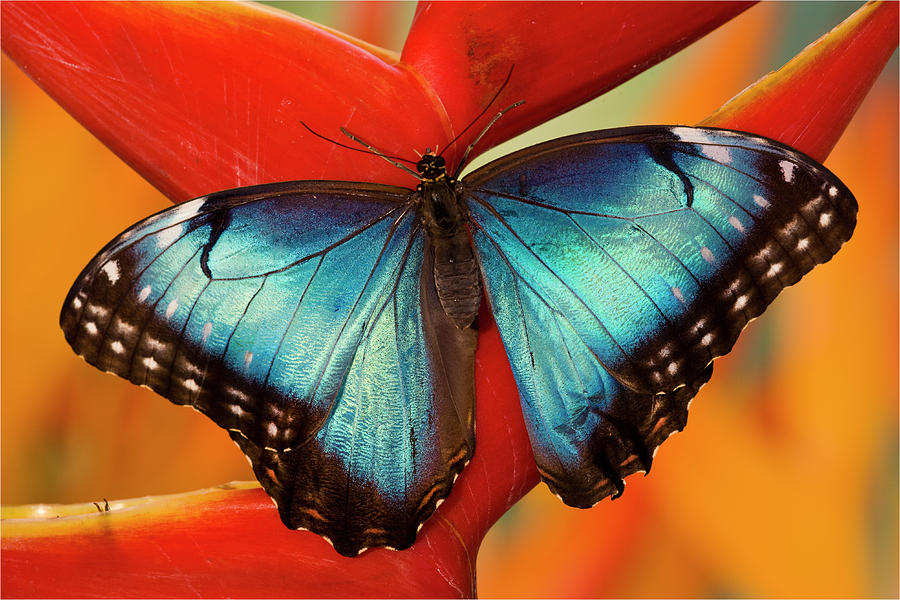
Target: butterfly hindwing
x=305 y=319
x=620 y=263
x=299 y=317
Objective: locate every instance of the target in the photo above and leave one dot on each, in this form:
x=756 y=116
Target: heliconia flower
x=204 y=97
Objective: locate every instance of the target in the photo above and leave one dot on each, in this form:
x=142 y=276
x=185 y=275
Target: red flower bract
x=205 y=97
x=202 y=97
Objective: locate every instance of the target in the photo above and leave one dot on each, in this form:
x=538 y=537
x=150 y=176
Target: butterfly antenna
x=468 y=151
x=376 y=152
x=484 y=110
x=354 y=148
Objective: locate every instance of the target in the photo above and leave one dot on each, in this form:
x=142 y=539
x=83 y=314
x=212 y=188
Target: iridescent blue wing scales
x=299 y=317
x=620 y=263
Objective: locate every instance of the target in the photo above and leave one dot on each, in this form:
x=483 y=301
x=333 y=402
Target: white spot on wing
x=168 y=236
x=765 y=253
x=699 y=326
x=191 y=385
x=707 y=255
x=774 y=269
x=188 y=209
x=150 y=363
x=760 y=201
x=207 y=329
x=111 y=269
x=90 y=327
x=76 y=303
x=145 y=293
x=803 y=244
x=832 y=191
x=97 y=310
x=687 y=134
x=787 y=170
x=236 y=393
x=170 y=310
x=676 y=291
x=824 y=219
x=248 y=358
x=717 y=153
x=190 y=368
x=740 y=302
x=733 y=220
x=117 y=347
x=272 y=430
x=707 y=146
x=124 y=328
x=236 y=409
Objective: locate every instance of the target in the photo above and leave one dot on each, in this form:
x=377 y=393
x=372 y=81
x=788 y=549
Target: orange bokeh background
x=785 y=482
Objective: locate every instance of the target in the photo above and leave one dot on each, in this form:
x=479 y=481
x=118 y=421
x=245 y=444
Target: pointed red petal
x=871 y=34
x=563 y=53
x=197 y=99
x=114 y=54
x=500 y=441
x=809 y=102
x=215 y=543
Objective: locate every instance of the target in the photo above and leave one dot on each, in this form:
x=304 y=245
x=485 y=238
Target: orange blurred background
x=785 y=482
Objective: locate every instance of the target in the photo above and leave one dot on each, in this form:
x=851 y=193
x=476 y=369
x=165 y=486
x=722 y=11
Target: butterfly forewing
x=305 y=318
x=619 y=263
x=299 y=317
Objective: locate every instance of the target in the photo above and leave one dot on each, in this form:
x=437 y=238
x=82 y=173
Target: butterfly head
x=432 y=167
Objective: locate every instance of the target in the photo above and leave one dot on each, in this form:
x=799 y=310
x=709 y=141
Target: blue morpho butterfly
x=328 y=325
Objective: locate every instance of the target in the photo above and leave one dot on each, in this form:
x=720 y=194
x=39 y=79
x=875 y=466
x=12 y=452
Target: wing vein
x=325 y=250
x=151 y=313
x=546 y=266
x=180 y=338
x=619 y=265
x=126 y=295
x=291 y=320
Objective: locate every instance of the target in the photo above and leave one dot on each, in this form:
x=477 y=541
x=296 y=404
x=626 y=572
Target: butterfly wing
x=300 y=317
x=619 y=263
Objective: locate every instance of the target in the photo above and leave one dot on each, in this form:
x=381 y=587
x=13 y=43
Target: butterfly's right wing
x=301 y=318
x=620 y=263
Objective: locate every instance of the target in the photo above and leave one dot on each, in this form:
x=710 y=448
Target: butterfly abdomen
x=456 y=277
x=456 y=273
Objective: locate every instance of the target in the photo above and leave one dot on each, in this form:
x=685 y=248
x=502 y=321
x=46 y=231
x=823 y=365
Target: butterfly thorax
x=444 y=216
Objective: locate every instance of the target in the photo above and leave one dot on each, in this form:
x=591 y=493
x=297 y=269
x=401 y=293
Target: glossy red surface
x=121 y=70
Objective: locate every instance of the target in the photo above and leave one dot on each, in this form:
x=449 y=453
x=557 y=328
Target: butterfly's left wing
x=619 y=263
x=301 y=317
